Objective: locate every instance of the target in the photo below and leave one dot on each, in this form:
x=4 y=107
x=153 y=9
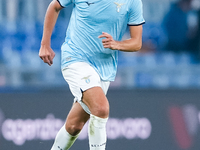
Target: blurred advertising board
x=139 y=119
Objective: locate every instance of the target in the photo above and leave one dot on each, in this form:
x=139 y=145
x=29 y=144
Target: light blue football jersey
x=88 y=20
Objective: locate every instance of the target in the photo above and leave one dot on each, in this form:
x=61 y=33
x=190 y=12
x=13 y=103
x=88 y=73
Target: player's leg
x=89 y=91
x=76 y=119
x=67 y=135
x=98 y=105
x=96 y=101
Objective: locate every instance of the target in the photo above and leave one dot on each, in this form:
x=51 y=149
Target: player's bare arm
x=46 y=53
x=130 y=45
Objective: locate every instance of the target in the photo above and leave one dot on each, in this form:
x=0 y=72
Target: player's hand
x=46 y=54
x=108 y=41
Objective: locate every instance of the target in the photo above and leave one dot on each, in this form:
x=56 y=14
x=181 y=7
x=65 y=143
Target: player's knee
x=74 y=129
x=102 y=111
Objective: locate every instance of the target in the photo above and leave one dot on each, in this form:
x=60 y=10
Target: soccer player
x=89 y=60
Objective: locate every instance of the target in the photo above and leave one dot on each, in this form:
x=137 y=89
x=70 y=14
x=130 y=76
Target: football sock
x=63 y=140
x=97 y=133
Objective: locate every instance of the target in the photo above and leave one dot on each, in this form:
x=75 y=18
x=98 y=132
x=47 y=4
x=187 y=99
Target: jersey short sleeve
x=136 y=13
x=65 y=3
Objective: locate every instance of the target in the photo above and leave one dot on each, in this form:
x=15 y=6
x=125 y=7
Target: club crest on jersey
x=87 y=79
x=119 y=6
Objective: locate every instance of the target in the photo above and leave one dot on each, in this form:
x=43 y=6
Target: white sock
x=97 y=133
x=63 y=140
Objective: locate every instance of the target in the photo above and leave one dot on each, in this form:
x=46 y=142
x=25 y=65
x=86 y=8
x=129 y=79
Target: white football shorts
x=80 y=77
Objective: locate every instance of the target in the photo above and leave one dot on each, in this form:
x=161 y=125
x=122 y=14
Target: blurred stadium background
x=154 y=100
